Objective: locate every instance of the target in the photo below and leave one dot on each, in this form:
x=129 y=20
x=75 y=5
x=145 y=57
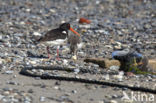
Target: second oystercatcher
x=58 y=36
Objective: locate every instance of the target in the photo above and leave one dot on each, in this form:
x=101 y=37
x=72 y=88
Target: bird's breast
x=56 y=42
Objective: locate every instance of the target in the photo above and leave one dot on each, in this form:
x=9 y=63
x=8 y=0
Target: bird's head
x=66 y=26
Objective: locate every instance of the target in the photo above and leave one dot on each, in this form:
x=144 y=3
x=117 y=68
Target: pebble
x=74 y=91
x=122 y=26
x=115 y=68
x=12 y=82
x=1 y=97
x=74 y=57
x=56 y=87
x=65 y=62
x=85 y=26
x=101 y=102
x=37 y=34
x=127 y=101
x=106 y=77
x=42 y=99
x=113 y=101
x=9 y=72
x=76 y=71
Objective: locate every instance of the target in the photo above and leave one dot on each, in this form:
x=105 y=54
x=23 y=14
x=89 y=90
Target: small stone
x=56 y=87
x=52 y=10
x=82 y=54
x=101 y=102
x=74 y=57
x=74 y=91
x=37 y=34
x=127 y=101
x=6 y=93
x=114 y=96
x=65 y=62
x=84 y=26
x=115 y=68
x=76 y=71
x=106 y=77
x=15 y=76
x=102 y=31
x=33 y=62
x=59 y=62
x=96 y=66
x=118 y=77
x=42 y=99
x=12 y=83
x=1 y=97
x=30 y=91
x=117 y=47
x=113 y=101
x=28 y=10
x=27 y=99
x=9 y=72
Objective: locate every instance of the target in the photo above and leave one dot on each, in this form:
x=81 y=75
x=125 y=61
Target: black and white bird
x=57 y=37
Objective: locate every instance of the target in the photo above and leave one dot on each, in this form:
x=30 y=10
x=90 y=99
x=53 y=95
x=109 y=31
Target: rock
x=106 y=77
x=1 y=97
x=113 y=101
x=56 y=87
x=42 y=99
x=117 y=47
x=6 y=93
x=127 y=101
x=119 y=77
x=85 y=26
x=101 y=102
x=74 y=91
x=65 y=62
x=9 y=72
x=74 y=57
x=82 y=54
x=37 y=34
x=76 y=71
x=115 y=68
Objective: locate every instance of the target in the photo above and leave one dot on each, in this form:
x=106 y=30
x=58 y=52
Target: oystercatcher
x=58 y=36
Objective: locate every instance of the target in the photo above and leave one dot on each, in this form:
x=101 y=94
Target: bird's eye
x=68 y=25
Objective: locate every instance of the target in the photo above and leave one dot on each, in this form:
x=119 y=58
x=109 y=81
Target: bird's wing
x=52 y=35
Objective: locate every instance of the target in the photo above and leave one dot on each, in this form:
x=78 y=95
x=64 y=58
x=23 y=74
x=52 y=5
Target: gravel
x=115 y=24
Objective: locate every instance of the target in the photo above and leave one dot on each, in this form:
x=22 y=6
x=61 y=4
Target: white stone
x=113 y=101
x=36 y=34
x=84 y=26
x=65 y=62
x=106 y=77
x=52 y=10
x=74 y=57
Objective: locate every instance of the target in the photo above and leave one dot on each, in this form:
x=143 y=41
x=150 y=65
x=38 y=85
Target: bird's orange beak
x=71 y=29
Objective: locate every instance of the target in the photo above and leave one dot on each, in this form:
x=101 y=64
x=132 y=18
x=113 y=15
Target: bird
x=74 y=43
x=57 y=37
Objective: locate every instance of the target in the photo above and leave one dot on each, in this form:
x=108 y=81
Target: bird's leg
x=49 y=56
x=58 y=53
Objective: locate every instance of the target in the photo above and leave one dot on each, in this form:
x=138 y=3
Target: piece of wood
x=152 y=63
x=104 y=63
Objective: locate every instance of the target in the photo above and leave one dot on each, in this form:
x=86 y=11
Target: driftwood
x=104 y=63
x=152 y=64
